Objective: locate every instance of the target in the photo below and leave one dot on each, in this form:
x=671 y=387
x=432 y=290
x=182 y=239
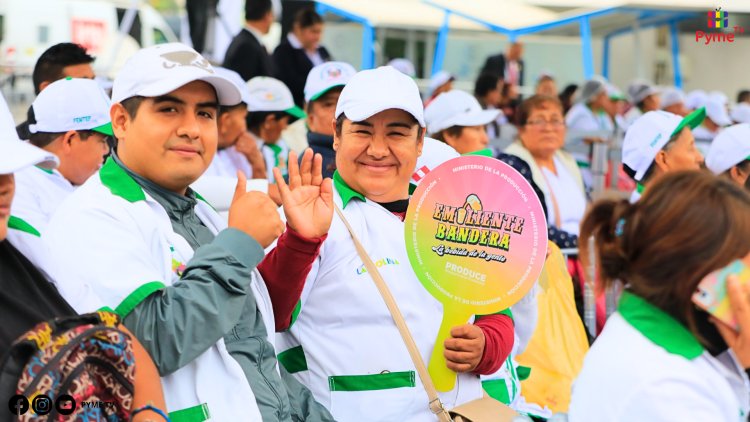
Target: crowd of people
x=206 y=211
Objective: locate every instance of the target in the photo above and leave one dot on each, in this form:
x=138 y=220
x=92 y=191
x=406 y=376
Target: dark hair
x=42 y=139
x=311 y=104
x=256 y=10
x=661 y=247
x=454 y=131
x=743 y=95
x=307 y=17
x=49 y=67
x=485 y=83
x=743 y=165
x=532 y=103
x=227 y=109
x=652 y=168
x=255 y=119
x=132 y=105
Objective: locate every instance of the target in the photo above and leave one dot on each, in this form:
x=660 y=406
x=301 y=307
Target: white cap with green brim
x=372 y=91
x=160 y=69
x=71 y=104
x=269 y=94
x=648 y=135
x=729 y=148
x=16 y=154
x=456 y=108
x=324 y=77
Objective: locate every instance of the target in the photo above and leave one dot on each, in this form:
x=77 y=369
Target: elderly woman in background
x=541 y=130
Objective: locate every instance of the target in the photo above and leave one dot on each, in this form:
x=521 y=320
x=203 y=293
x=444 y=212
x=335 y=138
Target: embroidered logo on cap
x=186 y=58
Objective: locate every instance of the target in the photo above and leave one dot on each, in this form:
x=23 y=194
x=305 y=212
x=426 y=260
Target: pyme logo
x=718 y=19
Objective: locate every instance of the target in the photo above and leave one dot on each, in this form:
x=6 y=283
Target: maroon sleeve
x=498 y=342
x=285 y=269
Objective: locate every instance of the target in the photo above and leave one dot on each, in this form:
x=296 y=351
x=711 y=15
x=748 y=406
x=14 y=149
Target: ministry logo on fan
x=718 y=19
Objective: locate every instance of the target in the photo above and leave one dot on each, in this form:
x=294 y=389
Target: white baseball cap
x=238 y=82
x=672 y=96
x=649 y=133
x=404 y=66
x=162 y=68
x=371 y=91
x=324 y=77
x=439 y=79
x=16 y=154
x=614 y=93
x=741 y=113
x=696 y=99
x=729 y=148
x=71 y=104
x=456 y=108
x=640 y=90
x=592 y=88
x=717 y=112
x=269 y=94
x=719 y=97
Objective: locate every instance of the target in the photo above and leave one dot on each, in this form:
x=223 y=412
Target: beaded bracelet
x=151 y=408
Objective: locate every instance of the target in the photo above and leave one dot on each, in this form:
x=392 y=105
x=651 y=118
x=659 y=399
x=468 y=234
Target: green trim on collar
x=19 y=224
x=346 y=193
x=198 y=196
x=137 y=296
x=487 y=152
x=639 y=187
x=658 y=326
x=48 y=171
x=120 y=183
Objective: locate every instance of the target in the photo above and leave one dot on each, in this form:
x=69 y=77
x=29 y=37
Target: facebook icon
x=18 y=405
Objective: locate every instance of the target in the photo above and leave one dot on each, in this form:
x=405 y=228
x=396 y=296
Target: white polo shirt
x=646 y=366
x=38 y=194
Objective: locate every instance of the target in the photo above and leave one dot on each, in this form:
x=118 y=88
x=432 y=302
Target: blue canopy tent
x=608 y=22
x=403 y=14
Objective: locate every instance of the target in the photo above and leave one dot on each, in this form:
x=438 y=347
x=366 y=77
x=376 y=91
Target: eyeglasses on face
x=540 y=123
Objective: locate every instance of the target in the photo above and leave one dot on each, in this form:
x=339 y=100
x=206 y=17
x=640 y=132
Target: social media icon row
x=41 y=405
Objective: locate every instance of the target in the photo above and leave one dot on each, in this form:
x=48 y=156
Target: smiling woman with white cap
x=729 y=155
x=343 y=344
x=657 y=143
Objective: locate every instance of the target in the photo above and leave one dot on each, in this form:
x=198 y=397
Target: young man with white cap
x=71 y=122
x=644 y=98
x=379 y=132
x=232 y=154
x=729 y=155
x=657 y=143
x=322 y=89
x=717 y=118
x=151 y=249
x=271 y=106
